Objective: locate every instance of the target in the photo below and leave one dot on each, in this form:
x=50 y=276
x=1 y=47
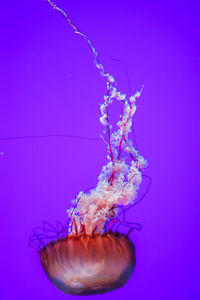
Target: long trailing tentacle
x=24 y=137
x=110 y=80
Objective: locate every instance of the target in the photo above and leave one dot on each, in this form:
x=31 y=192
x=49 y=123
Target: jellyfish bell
x=89 y=264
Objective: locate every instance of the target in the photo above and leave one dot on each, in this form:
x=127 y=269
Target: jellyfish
x=89 y=257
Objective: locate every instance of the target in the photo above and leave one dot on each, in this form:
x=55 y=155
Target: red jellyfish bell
x=89 y=264
x=89 y=259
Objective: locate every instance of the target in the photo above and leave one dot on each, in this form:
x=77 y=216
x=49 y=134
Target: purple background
x=49 y=85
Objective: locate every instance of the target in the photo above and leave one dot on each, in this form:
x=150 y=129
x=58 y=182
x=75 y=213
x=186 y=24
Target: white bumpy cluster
x=119 y=180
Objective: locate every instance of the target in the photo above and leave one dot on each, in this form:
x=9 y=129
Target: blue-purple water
x=50 y=86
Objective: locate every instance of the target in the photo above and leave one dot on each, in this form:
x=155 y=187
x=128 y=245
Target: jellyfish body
x=90 y=260
x=89 y=264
